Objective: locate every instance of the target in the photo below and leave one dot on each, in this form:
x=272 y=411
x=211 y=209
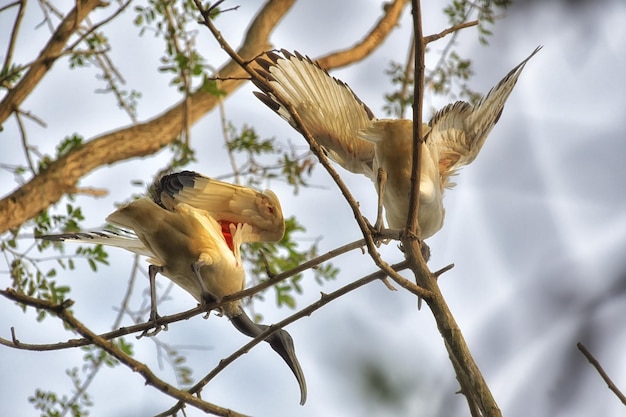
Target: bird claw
x=156 y=329
x=206 y=299
x=376 y=231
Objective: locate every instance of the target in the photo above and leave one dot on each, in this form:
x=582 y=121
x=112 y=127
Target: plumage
x=191 y=231
x=354 y=138
x=329 y=109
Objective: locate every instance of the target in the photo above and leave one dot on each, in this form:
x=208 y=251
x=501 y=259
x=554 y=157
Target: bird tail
x=118 y=239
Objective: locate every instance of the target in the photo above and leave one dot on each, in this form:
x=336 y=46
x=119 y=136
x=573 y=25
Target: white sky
x=536 y=228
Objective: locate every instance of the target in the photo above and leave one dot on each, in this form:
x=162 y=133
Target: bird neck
x=245 y=325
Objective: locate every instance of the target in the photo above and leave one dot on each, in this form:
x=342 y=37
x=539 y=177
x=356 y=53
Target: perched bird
x=191 y=230
x=355 y=139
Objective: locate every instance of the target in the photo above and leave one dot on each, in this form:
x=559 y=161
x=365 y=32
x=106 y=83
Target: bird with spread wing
x=191 y=230
x=354 y=138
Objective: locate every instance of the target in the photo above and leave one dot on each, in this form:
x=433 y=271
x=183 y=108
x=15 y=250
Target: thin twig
x=25 y=146
x=596 y=364
x=14 y=31
x=410 y=62
x=455 y=28
x=412 y=225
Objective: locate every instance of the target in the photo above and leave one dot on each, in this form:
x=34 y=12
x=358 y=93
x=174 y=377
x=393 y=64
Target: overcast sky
x=536 y=228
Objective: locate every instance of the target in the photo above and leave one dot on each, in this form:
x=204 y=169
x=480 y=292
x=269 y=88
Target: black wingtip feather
x=172 y=184
x=264 y=63
x=267 y=100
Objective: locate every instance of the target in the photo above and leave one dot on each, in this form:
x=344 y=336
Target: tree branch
x=596 y=364
x=372 y=40
x=473 y=385
x=143 y=139
x=46 y=58
x=432 y=38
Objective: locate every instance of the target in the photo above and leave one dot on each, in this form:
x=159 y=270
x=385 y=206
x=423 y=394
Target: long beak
x=280 y=341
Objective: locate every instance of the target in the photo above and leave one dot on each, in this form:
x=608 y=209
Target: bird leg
x=153 y=270
x=206 y=297
x=381 y=180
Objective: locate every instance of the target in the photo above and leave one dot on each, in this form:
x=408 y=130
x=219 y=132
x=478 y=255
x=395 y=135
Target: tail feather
x=124 y=240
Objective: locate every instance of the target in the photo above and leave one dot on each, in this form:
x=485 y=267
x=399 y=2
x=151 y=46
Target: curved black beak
x=280 y=341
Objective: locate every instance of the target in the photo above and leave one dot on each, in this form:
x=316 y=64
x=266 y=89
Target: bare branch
x=412 y=225
x=16 y=27
x=432 y=38
x=596 y=364
x=25 y=146
x=473 y=385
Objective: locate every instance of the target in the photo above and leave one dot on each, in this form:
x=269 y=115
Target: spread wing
x=459 y=130
x=329 y=109
x=226 y=203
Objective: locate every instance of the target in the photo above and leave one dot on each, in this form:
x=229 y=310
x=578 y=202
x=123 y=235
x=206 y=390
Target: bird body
x=197 y=237
x=393 y=141
x=191 y=231
x=355 y=139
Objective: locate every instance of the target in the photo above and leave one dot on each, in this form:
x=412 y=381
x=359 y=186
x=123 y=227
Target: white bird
x=191 y=230
x=355 y=139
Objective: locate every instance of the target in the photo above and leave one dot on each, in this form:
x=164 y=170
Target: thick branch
x=373 y=40
x=473 y=385
x=62 y=176
x=46 y=58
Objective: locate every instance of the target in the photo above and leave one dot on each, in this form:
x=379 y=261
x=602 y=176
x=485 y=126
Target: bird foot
x=377 y=230
x=206 y=299
x=156 y=329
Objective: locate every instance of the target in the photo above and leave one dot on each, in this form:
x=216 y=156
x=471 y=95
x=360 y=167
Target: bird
x=359 y=142
x=191 y=227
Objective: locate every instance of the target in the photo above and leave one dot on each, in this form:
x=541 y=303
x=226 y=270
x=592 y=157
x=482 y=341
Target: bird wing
x=118 y=239
x=459 y=130
x=329 y=110
x=226 y=203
